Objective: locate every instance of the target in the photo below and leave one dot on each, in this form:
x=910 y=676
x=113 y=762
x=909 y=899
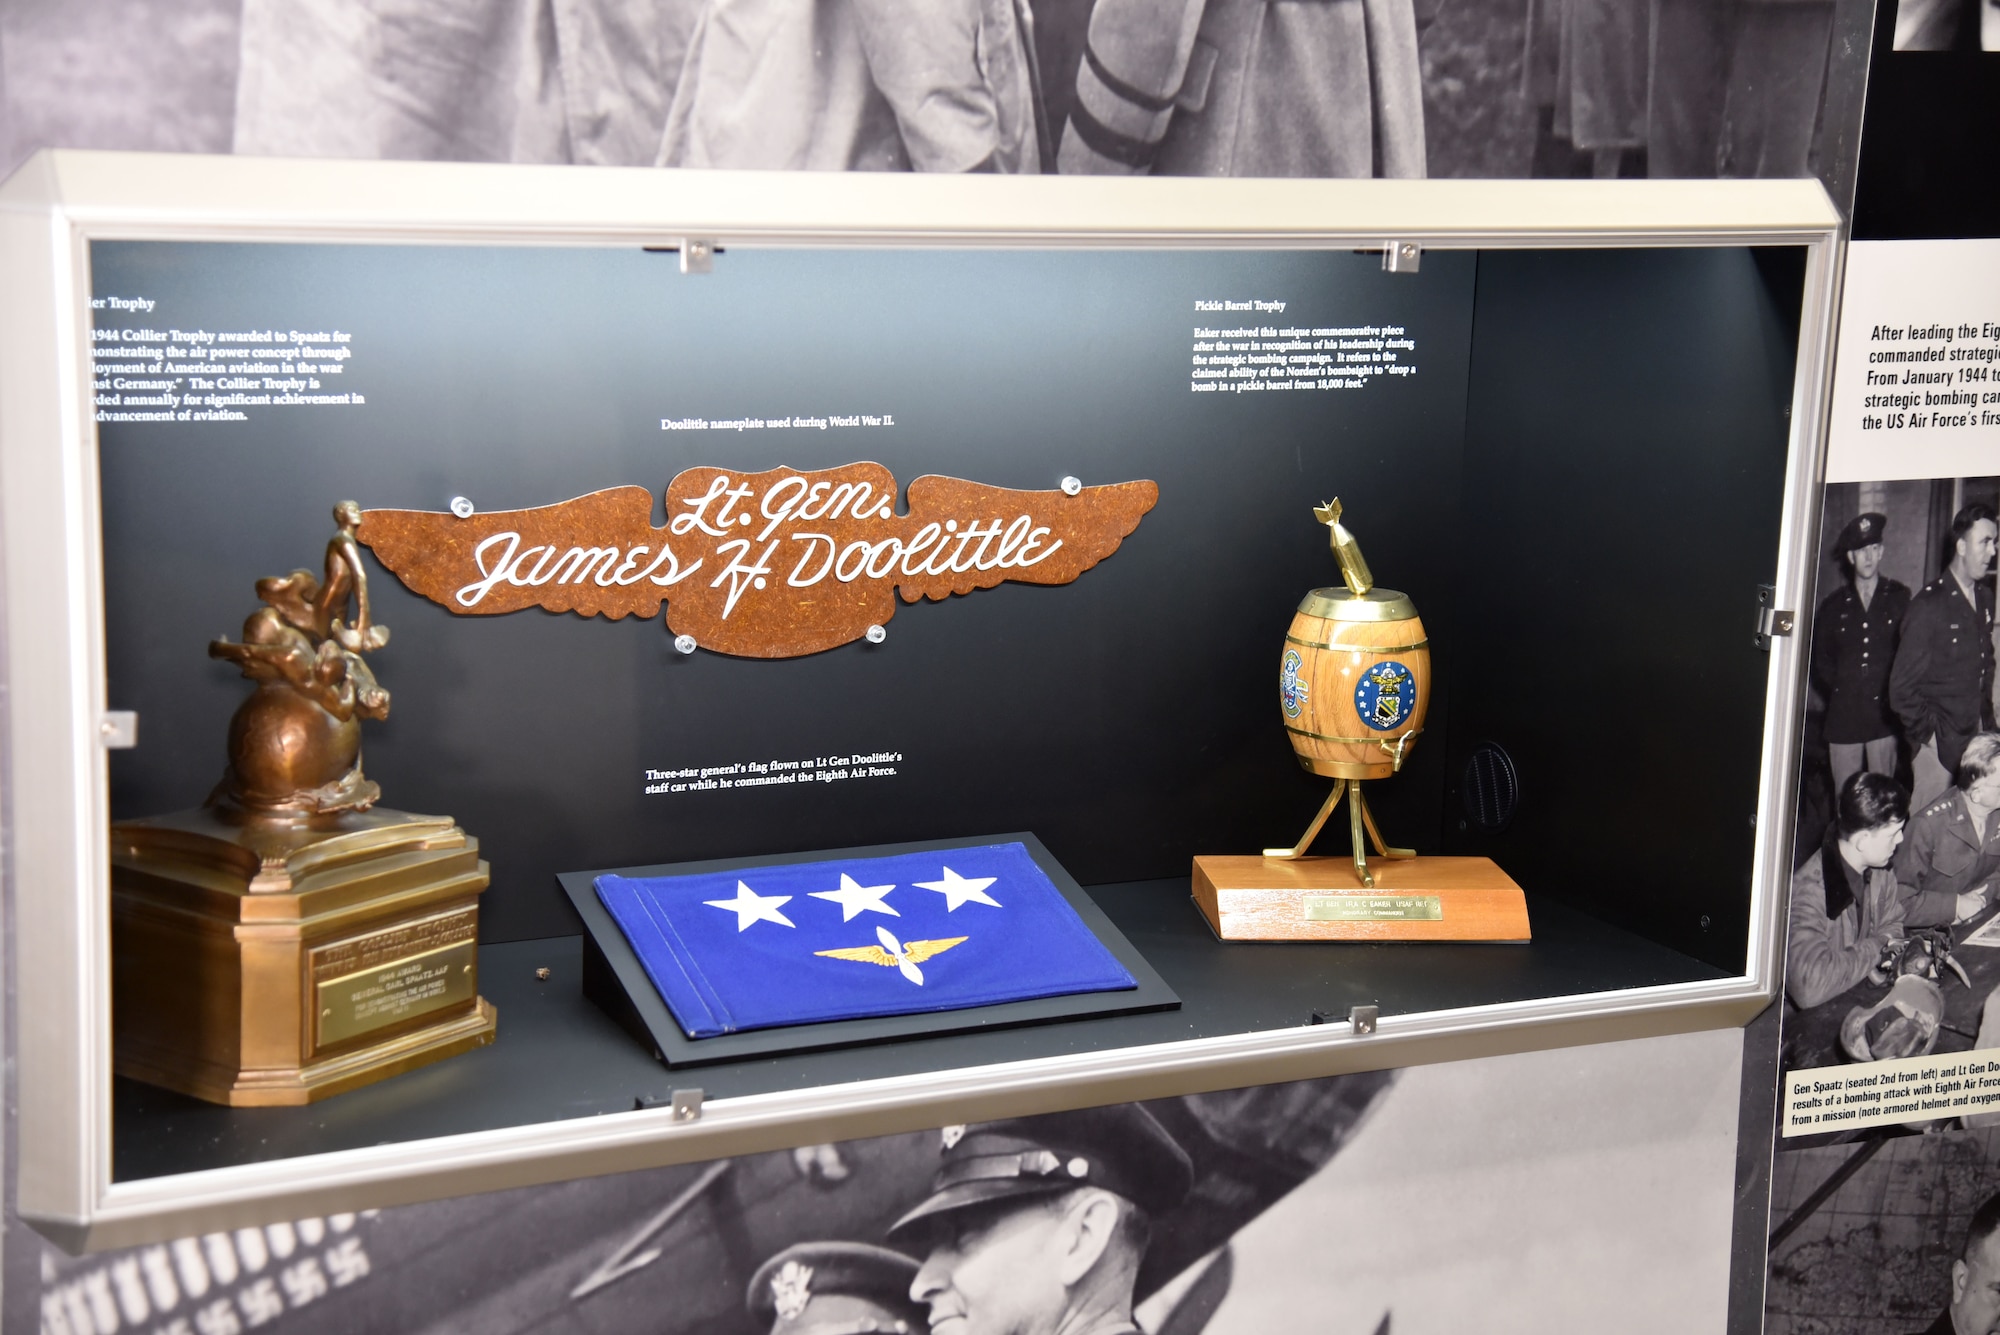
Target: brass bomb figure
x=295 y=744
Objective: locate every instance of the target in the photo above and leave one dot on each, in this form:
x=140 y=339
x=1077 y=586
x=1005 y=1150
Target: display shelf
x=557 y=1056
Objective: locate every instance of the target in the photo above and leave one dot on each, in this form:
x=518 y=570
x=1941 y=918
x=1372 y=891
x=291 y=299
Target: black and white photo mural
x=1575 y=1189
x=1334 y=88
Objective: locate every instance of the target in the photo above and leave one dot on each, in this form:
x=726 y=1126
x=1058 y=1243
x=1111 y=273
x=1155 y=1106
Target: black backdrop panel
x=1130 y=719
x=1625 y=456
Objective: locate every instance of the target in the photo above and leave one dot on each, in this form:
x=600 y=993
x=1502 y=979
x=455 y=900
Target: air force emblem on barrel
x=1385 y=697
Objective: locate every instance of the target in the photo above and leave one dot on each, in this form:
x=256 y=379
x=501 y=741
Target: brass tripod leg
x=1298 y=850
x=1359 y=820
x=1354 y=810
x=1375 y=835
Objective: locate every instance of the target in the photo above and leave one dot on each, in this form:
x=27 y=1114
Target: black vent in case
x=1492 y=787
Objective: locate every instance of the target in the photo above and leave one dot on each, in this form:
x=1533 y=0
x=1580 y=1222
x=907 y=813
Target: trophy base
x=1321 y=899
x=308 y=1084
x=262 y=961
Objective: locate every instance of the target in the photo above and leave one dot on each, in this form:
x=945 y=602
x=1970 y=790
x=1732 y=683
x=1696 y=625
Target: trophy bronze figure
x=290 y=939
x=1354 y=683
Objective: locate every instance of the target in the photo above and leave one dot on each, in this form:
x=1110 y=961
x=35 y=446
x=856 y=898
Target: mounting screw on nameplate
x=119 y=729
x=462 y=507
x=684 y=643
x=1362 y=1019
x=697 y=256
x=687 y=1105
x=1402 y=257
x=877 y=634
x=1072 y=485
x=1771 y=620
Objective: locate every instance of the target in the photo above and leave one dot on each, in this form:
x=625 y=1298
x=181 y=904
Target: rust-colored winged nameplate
x=761 y=565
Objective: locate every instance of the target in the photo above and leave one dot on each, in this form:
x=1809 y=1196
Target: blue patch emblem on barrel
x=1291 y=691
x=1386 y=696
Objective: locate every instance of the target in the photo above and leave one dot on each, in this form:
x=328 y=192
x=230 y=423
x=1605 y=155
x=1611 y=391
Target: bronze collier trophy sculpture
x=1354 y=684
x=290 y=939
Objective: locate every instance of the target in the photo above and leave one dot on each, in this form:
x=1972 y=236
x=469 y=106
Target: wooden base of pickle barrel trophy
x=258 y=963
x=1320 y=899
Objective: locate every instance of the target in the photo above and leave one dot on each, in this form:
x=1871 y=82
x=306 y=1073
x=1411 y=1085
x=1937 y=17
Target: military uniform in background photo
x=1840 y=919
x=584 y=81
x=1015 y=1193
x=835 y=1288
x=1941 y=687
x=1329 y=88
x=1249 y=88
x=847 y=85
x=930 y=85
x=1945 y=854
x=1680 y=88
x=1275 y=88
x=1853 y=648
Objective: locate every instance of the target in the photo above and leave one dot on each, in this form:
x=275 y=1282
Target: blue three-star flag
x=859 y=937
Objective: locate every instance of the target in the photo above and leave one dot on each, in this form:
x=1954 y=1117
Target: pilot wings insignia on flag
x=736 y=950
x=894 y=954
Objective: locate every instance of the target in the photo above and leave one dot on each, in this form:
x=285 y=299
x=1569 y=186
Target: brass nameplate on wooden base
x=257 y=967
x=1319 y=899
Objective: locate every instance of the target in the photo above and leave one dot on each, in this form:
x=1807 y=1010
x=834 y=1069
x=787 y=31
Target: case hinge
x=1771 y=619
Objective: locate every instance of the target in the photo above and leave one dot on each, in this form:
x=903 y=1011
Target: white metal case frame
x=57 y=817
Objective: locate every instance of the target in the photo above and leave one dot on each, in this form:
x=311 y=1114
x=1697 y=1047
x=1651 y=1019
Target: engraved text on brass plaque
x=1349 y=907
x=385 y=977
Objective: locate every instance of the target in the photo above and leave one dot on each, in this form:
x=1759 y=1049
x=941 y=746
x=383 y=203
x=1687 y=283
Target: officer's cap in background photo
x=848 y=1287
x=1861 y=531
x=1122 y=1149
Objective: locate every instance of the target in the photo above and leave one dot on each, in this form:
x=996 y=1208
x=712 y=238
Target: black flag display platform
x=752 y=957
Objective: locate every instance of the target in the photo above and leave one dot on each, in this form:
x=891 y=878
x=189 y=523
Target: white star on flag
x=855 y=899
x=749 y=907
x=958 y=889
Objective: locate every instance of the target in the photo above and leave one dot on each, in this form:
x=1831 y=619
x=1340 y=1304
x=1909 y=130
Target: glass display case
x=1579 y=423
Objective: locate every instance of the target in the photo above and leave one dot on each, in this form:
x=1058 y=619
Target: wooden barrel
x=1354 y=682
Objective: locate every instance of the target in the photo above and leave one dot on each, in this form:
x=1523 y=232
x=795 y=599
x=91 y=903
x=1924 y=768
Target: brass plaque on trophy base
x=257 y=967
x=404 y=987
x=1319 y=899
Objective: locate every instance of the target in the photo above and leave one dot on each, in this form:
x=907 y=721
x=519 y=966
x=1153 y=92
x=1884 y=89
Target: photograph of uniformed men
x=1039 y=1226
x=1320 y=88
x=1974 y=1308
x=1887 y=1237
x=1853 y=648
x=1897 y=859
x=1491 y=1194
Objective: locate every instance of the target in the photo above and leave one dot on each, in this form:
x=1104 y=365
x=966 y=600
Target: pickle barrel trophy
x=1354 y=684
x=290 y=939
